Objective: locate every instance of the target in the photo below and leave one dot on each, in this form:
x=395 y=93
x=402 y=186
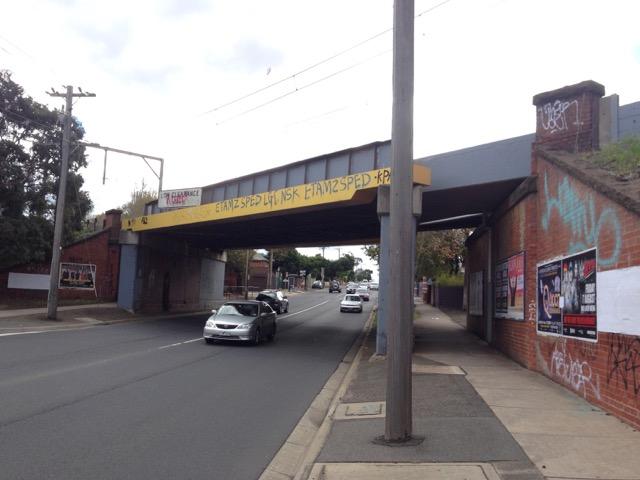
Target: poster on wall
x=502 y=289
x=549 y=318
x=475 y=293
x=578 y=299
x=77 y=275
x=509 y=288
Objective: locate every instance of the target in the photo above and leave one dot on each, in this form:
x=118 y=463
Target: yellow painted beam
x=340 y=189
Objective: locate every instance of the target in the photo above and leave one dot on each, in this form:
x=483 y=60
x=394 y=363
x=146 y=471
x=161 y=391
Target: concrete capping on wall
x=592 y=181
x=588 y=86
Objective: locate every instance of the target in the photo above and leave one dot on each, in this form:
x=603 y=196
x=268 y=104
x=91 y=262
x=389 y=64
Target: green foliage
x=447 y=280
x=30 y=157
x=139 y=198
x=291 y=261
x=373 y=252
x=236 y=260
x=361 y=274
x=438 y=252
x=622 y=158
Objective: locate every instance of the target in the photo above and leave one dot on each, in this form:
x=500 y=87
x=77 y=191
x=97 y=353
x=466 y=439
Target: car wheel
x=209 y=340
x=272 y=335
x=257 y=337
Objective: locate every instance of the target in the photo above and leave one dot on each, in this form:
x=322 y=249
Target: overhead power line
x=317 y=64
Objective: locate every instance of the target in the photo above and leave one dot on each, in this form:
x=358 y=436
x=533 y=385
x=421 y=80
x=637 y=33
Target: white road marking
x=199 y=339
x=305 y=310
x=21 y=333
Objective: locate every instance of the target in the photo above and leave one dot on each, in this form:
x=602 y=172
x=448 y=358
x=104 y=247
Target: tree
x=373 y=252
x=30 y=158
x=139 y=198
x=439 y=252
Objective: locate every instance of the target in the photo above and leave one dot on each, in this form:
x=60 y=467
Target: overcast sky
x=164 y=69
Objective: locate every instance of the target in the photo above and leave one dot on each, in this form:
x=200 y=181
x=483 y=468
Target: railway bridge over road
x=173 y=259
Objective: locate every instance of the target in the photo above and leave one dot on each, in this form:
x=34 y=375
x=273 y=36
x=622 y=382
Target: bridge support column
x=128 y=285
x=384 y=268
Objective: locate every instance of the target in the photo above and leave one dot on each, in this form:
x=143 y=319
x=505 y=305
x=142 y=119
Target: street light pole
x=398 y=421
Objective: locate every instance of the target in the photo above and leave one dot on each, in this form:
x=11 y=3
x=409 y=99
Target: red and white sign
x=188 y=197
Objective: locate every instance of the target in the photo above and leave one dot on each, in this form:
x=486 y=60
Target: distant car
x=276 y=300
x=351 y=288
x=364 y=294
x=334 y=286
x=351 y=303
x=245 y=321
x=317 y=284
x=373 y=286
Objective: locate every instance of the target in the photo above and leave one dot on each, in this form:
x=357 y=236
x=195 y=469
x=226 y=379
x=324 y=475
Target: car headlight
x=244 y=326
x=210 y=324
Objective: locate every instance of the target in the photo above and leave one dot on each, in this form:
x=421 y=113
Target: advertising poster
x=579 y=296
x=502 y=289
x=77 y=275
x=516 y=287
x=509 y=288
x=549 y=291
x=475 y=293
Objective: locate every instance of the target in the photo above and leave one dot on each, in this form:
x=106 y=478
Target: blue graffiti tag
x=579 y=214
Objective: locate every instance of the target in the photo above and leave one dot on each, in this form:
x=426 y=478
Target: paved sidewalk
x=483 y=417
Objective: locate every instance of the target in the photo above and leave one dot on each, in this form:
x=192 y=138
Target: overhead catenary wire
x=315 y=65
x=291 y=92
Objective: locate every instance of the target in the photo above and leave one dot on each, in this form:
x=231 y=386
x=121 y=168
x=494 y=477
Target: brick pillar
x=113 y=221
x=567 y=118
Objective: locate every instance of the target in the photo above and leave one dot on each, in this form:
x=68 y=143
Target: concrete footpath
x=483 y=416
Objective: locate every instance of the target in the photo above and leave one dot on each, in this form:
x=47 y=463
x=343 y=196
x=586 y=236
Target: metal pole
x=398 y=421
x=271 y=268
x=52 y=301
x=160 y=177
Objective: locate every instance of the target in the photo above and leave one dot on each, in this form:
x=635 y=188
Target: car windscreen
x=265 y=297
x=242 y=309
x=352 y=298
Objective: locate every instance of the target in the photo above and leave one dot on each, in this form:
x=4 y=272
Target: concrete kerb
x=296 y=457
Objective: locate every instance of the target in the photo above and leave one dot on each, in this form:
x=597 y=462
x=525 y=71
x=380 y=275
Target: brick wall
x=566 y=213
x=574 y=217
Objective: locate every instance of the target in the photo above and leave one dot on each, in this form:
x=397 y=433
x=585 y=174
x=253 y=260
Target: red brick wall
x=513 y=233
x=574 y=217
x=95 y=250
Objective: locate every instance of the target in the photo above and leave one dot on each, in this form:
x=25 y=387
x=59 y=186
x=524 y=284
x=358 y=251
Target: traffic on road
x=153 y=399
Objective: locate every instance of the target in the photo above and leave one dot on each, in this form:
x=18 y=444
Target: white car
x=351 y=303
x=373 y=286
x=364 y=294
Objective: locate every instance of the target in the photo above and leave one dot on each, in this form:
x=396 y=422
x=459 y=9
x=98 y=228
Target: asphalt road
x=152 y=400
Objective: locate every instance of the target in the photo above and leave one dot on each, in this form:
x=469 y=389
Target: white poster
x=475 y=293
x=618 y=300
x=28 y=281
x=188 y=197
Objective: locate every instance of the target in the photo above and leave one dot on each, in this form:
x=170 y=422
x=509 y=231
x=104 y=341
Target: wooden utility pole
x=52 y=299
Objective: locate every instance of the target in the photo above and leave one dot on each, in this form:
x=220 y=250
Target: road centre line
x=22 y=333
x=305 y=310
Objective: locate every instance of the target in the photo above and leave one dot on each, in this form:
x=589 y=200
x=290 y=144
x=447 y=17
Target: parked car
x=317 y=284
x=351 y=303
x=276 y=300
x=364 y=294
x=334 y=286
x=245 y=321
x=373 y=286
x=351 y=288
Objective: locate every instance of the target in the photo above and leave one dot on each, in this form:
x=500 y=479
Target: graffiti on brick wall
x=532 y=311
x=623 y=362
x=573 y=372
x=553 y=115
x=578 y=213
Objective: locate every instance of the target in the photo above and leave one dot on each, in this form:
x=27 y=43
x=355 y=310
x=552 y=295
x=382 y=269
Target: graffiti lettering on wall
x=588 y=229
x=623 y=362
x=532 y=311
x=574 y=372
x=553 y=116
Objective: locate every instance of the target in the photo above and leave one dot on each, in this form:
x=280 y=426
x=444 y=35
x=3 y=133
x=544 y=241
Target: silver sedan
x=246 y=321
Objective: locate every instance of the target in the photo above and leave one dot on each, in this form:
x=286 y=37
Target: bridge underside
x=342 y=224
